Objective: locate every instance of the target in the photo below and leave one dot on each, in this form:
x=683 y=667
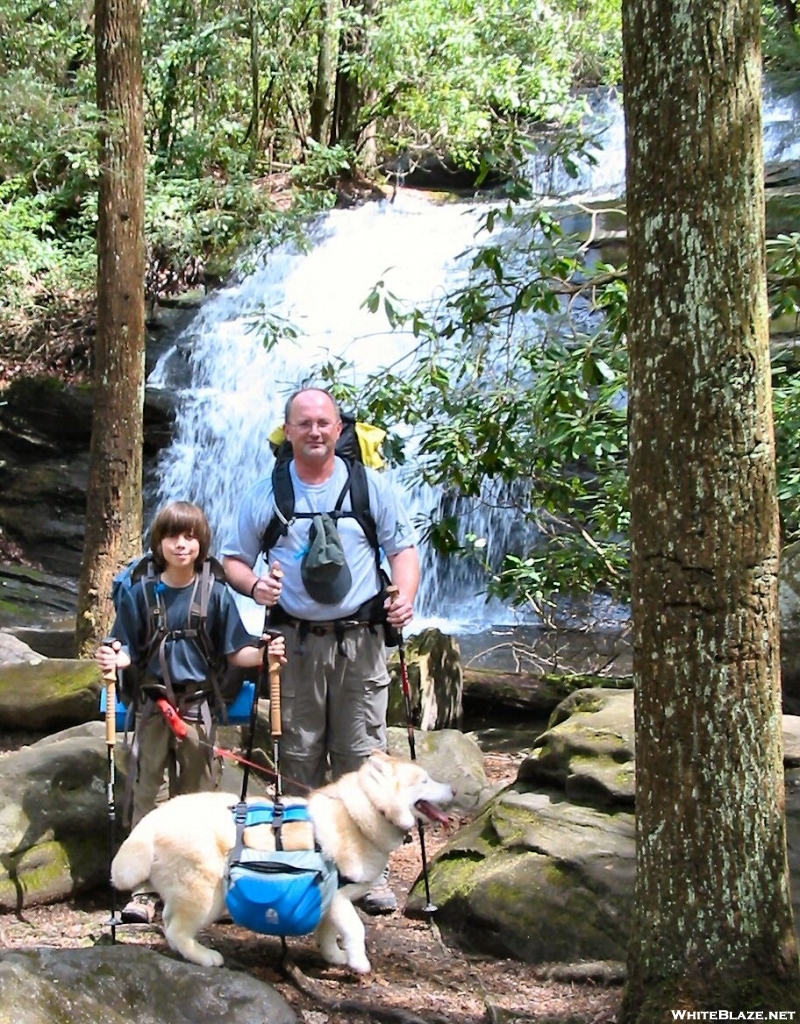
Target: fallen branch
x=603 y=972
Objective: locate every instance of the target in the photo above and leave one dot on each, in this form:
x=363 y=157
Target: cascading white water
x=605 y=122
x=236 y=389
x=234 y=393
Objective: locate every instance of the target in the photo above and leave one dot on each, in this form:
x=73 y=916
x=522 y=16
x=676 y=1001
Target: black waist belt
x=337 y=627
x=323 y=628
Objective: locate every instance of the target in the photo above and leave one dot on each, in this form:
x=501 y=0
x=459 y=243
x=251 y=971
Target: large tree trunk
x=322 y=99
x=114 y=498
x=713 y=920
x=350 y=125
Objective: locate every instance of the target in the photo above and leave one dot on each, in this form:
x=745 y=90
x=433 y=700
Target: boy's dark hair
x=180 y=517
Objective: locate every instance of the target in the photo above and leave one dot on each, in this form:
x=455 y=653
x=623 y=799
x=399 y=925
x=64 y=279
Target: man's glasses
x=307 y=425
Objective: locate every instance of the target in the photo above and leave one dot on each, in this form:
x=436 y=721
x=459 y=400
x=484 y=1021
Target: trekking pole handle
x=392 y=590
x=110 y=679
x=275 y=696
x=275 y=674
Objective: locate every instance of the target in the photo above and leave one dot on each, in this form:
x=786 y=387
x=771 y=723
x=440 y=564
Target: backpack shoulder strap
x=144 y=568
x=205 y=580
x=359 y=500
x=283 y=495
x=156 y=624
x=283 y=498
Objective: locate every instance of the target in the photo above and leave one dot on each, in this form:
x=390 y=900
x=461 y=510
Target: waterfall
x=605 y=124
x=231 y=391
x=234 y=390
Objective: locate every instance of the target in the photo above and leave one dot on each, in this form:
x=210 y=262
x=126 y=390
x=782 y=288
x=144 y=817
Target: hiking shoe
x=380 y=899
x=141 y=909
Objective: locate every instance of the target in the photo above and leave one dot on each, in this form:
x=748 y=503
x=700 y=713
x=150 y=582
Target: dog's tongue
x=432 y=812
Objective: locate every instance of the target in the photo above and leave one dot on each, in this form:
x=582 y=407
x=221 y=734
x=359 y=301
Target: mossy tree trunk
x=712 y=923
x=114 y=494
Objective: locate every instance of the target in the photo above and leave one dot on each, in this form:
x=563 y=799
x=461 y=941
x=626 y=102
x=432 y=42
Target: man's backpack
x=358 y=444
x=224 y=681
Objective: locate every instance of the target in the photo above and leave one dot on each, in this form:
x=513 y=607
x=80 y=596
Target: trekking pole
x=275 y=721
x=110 y=679
x=253 y=720
x=276 y=729
x=271 y=665
x=429 y=908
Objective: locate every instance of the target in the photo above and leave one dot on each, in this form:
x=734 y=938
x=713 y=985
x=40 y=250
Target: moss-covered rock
x=530 y=879
x=546 y=872
x=51 y=695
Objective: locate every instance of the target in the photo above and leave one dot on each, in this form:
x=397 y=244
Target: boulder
x=450 y=756
x=537 y=879
x=14 y=651
x=590 y=763
x=54 y=830
x=545 y=872
x=127 y=984
x=48 y=695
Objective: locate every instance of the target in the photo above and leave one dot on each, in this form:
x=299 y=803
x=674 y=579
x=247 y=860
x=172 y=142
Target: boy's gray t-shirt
x=185 y=661
x=394 y=529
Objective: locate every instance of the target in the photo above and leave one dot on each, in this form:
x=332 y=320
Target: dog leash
x=179 y=728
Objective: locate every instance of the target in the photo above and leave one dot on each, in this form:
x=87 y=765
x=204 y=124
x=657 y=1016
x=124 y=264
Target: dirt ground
x=415 y=978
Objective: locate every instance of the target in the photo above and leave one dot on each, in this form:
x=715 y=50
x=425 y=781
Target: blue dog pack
x=282 y=892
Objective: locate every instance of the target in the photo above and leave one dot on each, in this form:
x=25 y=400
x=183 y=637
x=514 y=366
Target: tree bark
x=350 y=127
x=114 y=495
x=254 y=129
x=322 y=99
x=712 y=924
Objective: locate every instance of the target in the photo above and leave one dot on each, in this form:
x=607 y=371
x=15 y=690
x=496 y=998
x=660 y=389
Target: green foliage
x=784 y=257
x=515 y=399
x=35 y=262
x=460 y=77
x=786 y=411
x=186 y=218
x=781 y=38
x=322 y=165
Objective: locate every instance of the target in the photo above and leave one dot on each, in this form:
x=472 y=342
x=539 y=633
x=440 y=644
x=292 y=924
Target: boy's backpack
x=283 y=892
x=224 y=681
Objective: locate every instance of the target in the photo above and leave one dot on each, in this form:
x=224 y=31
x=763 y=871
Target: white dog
x=183 y=845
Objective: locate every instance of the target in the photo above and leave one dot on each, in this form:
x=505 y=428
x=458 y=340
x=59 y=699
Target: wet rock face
x=45 y=432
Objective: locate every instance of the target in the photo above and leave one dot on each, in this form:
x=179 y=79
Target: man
x=335 y=686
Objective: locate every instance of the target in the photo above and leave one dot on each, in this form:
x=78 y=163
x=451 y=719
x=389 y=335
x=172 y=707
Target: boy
x=180 y=541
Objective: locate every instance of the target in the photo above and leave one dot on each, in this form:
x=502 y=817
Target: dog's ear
x=379 y=764
x=377 y=752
